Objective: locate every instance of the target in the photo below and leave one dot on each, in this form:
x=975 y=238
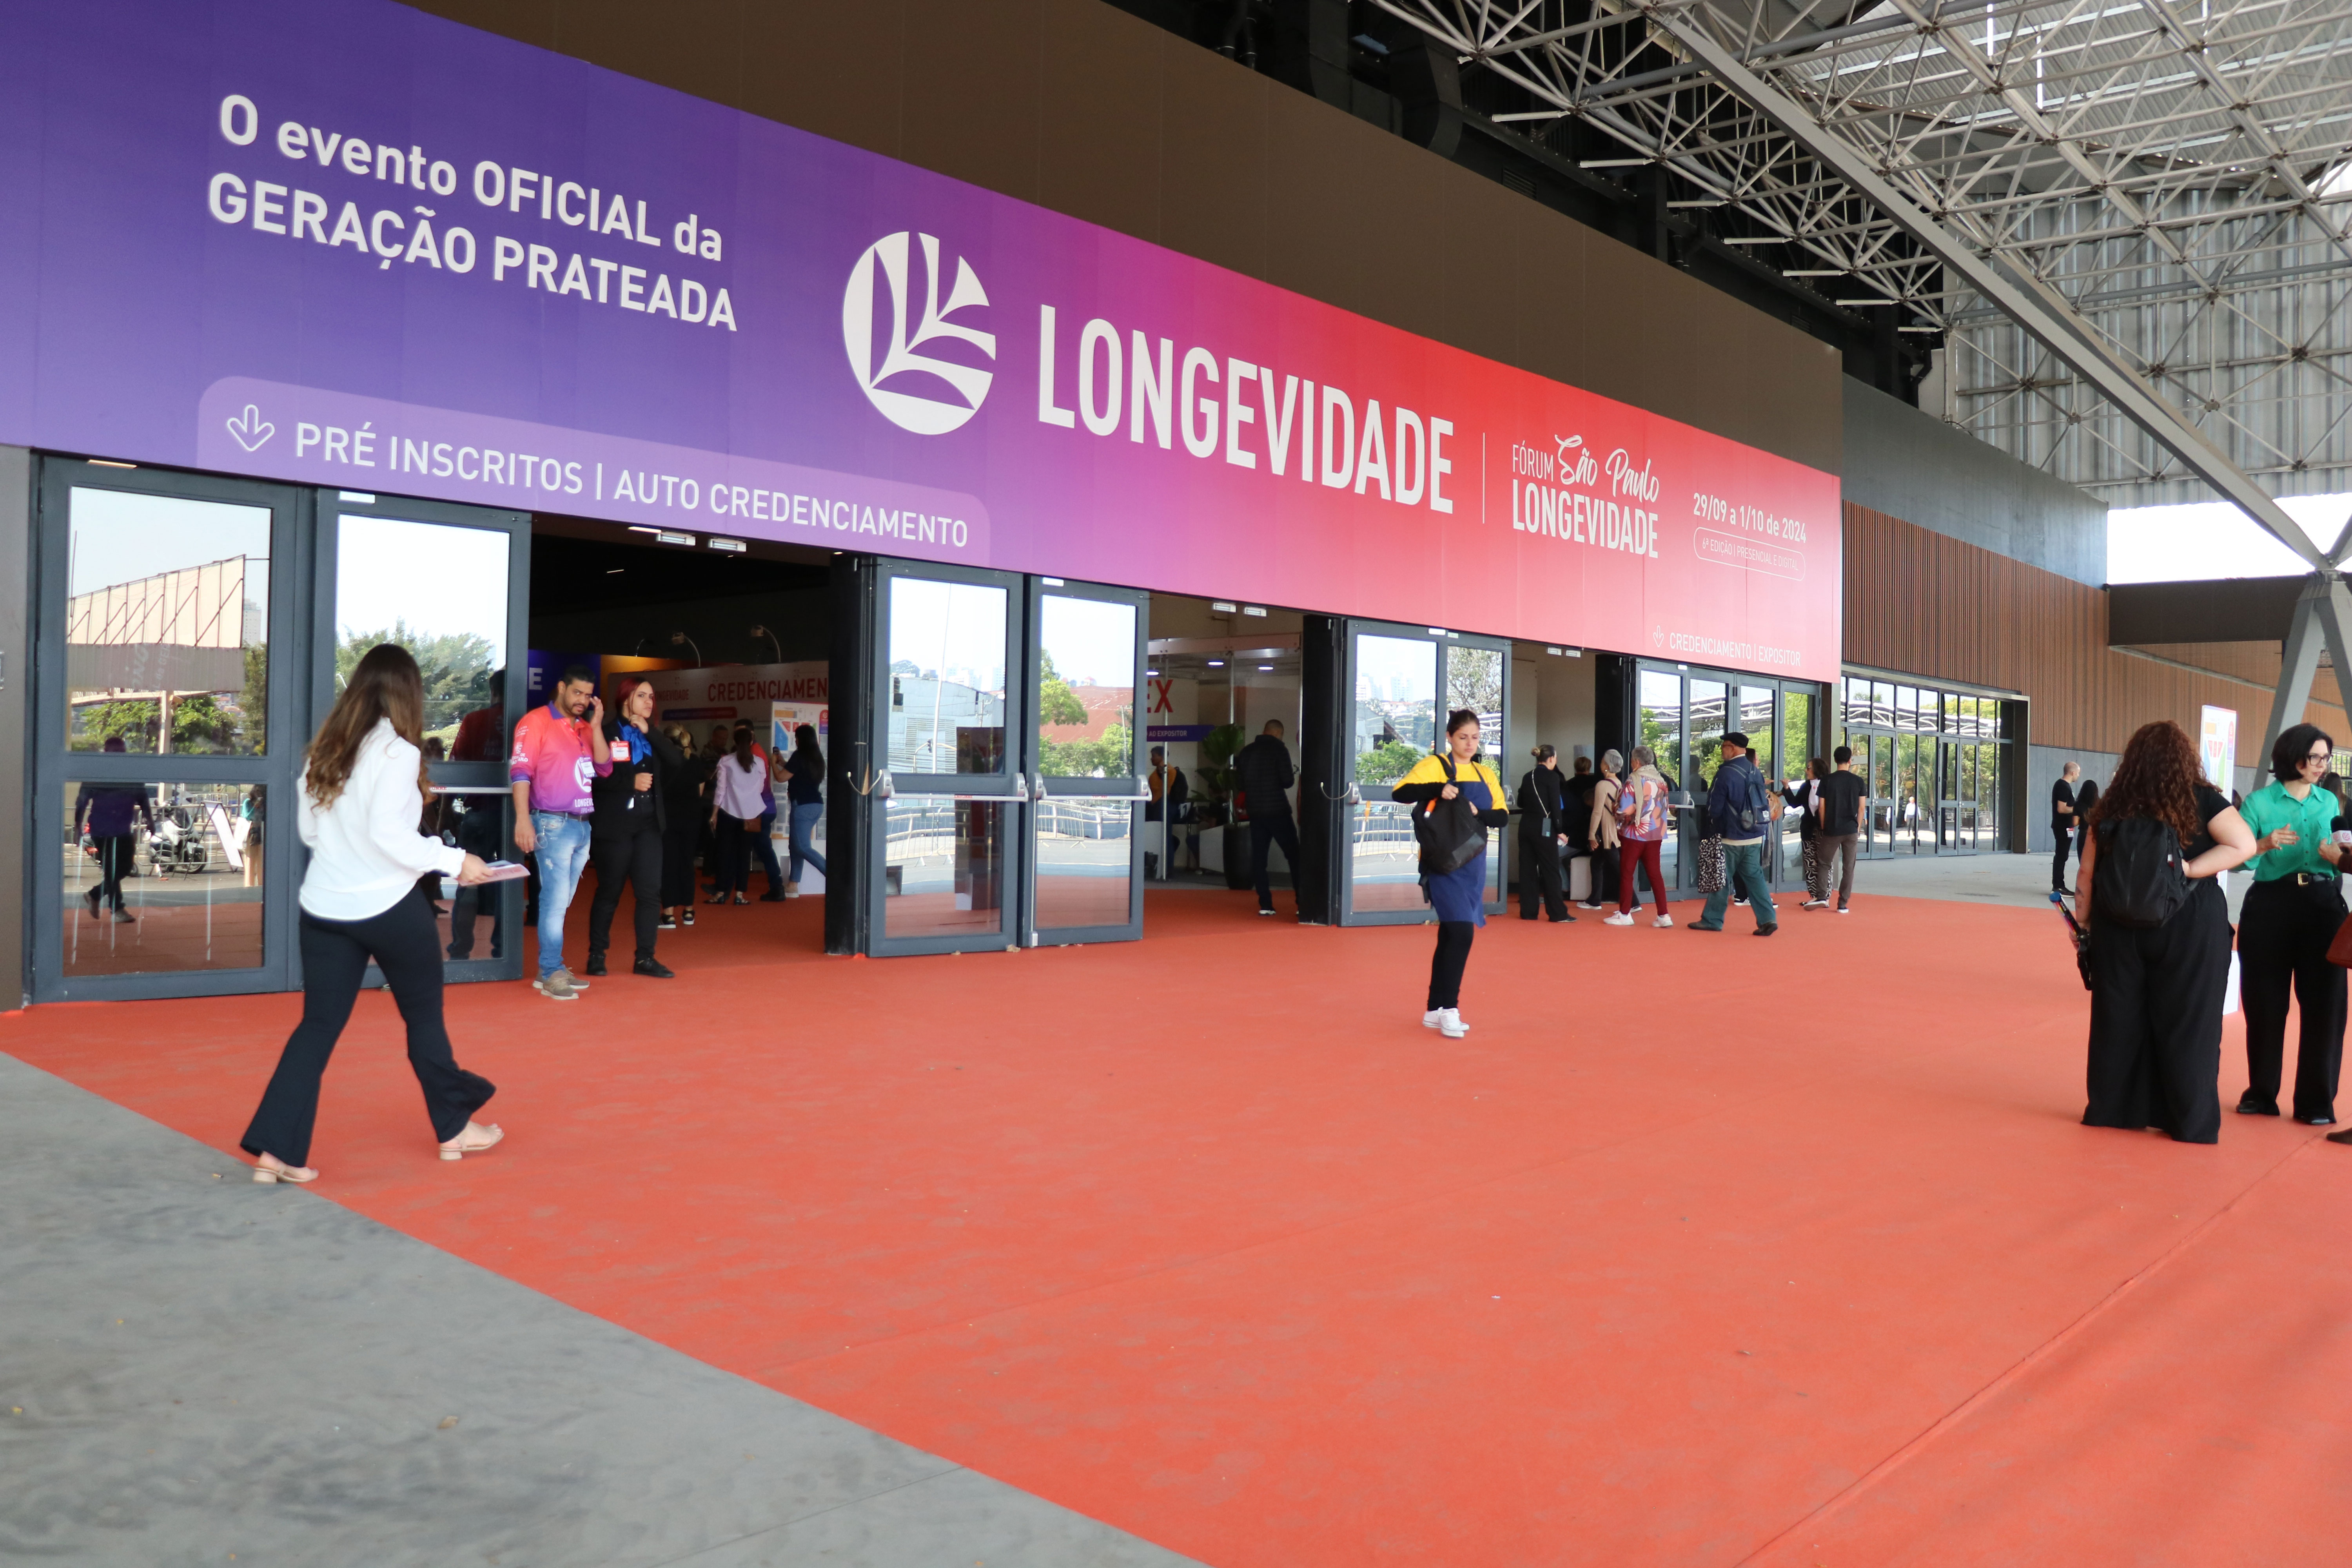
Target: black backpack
x=2142 y=877
x=1450 y=832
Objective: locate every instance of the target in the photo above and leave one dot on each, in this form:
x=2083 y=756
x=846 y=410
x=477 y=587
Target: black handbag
x=1450 y=833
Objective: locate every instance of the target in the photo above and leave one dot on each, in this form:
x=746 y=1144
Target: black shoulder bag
x=1450 y=833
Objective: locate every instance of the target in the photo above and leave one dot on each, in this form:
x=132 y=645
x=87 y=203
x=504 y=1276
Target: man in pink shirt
x=559 y=752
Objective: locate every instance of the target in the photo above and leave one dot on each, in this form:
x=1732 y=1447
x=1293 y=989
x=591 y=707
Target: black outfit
x=1544 y=805
x=335 y=954
x=686 y=794
x=2284 y=930
x=478 y=834
x=1264 y=771
x=2061 y=829
x=2155 y=1010
x=625 y=837
x=1453 y=937
x=2086 y=798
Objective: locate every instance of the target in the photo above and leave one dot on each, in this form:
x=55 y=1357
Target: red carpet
x=1699 y=1250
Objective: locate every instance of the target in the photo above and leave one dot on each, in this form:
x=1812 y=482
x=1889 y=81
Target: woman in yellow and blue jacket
x=1458 y=896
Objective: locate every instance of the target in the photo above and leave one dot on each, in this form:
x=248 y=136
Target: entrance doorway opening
x=1220 y=671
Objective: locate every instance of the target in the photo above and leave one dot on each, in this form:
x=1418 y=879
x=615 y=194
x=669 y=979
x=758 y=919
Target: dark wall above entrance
x=1085 y=110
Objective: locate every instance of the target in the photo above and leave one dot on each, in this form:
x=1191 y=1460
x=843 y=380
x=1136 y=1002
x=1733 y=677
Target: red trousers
x=1638 y=854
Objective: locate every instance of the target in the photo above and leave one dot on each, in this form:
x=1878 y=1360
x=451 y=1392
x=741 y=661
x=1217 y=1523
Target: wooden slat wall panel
x=1929 y=605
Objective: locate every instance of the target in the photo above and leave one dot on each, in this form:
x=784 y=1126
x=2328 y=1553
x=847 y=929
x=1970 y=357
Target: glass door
x=1475 y=673
x=944 y=874
x=1796 y=752
x=1392 y=672
x=1086 y=649
x=451 y=585
x=167 y=734
x=1659 y=723
x=1404 y=682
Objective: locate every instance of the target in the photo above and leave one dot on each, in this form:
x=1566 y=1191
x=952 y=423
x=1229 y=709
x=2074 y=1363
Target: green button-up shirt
x=2312 y=819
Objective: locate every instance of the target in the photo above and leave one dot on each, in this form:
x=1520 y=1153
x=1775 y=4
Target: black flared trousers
x=407 y=946
x=2282 y=936
x=634 y=859
x=1540 y=876
x=2156 y=1020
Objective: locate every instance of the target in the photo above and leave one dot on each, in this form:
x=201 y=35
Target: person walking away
x=1601 y=832
x=2064 y=815
x=1264 y=771
x=1453 y=790
x=1642 y=819
x=2158 y=933
x=1167 y=789
x=2086 y=797
x=2284 y=926
x=627 y=832
x=1838 y=810
x=362 y=792
x=762 y=841
x=804 y=795
x=1808 y=828
x=558 y=754
x=735 y=805
x=1742 y=807
x=720 y=742
x=686 y=796
x=1543 y=834
x=111 y=814
x=1580 y=780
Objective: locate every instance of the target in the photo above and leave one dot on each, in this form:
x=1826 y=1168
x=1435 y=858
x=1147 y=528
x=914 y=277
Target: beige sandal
x=292 y=1175
x=473 y=1140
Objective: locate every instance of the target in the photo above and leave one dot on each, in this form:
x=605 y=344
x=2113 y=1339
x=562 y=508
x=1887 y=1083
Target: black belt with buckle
x=2310 y=878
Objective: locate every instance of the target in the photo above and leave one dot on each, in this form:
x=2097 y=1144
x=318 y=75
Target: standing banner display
x=344 y=243
x=784 y=718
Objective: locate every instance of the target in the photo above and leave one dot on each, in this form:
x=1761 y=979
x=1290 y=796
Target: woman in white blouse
x=362 y=794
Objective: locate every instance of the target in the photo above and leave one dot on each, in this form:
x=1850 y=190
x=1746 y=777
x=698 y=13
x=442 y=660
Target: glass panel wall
x=161 y=878
x=946 y=677
x=1933 y=760
x=439 y=591
x=167 y=625
x=1395 y=726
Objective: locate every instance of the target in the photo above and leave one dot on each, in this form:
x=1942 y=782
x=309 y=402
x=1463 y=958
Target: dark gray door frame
x=286 y=710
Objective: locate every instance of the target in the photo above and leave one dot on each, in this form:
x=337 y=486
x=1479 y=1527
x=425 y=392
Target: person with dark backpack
x=1455 y=799
x=2158 y=930
x=1740 y=807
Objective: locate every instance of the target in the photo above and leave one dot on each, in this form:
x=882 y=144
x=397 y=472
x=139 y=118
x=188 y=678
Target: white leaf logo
x=250 y=428
x=923 y=415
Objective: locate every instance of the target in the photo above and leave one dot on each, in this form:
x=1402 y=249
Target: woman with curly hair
x=2158 y=975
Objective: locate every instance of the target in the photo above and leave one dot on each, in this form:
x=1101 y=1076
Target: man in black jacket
x=1544 y=804
x=1264 y=771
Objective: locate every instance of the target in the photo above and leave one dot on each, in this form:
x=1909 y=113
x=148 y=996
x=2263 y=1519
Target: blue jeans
x=562 y=854
x=1743 y=869
x=804 y=820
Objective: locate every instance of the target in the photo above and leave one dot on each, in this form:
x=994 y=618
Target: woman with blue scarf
x=625 y=834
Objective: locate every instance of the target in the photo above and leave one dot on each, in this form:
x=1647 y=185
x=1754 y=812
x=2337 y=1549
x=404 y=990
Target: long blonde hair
x=385 y=684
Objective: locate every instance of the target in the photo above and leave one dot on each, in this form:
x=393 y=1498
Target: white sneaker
x=1434 y=1019
x=1450 y=1024
x=1844 y=910
x=1817 y=904
x=1663 y=921
x=1620 y=919
x=791 y=890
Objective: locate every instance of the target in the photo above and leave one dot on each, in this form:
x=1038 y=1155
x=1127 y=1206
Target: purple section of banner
x=1177 y=731
x=368 y=444
x=347 y=243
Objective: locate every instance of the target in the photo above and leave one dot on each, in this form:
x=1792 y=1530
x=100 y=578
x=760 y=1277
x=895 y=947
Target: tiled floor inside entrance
x=1698 y=1249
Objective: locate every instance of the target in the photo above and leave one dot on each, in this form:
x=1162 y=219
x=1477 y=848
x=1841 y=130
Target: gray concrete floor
x=2021 y=880
x=197 y=1370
